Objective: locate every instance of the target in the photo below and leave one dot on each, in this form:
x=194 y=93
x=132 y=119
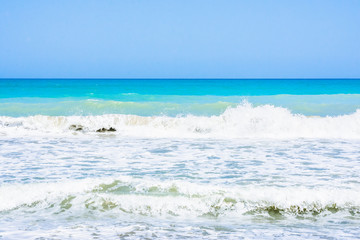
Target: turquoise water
x=123 y=88
x=195 y=159
x=145 y=97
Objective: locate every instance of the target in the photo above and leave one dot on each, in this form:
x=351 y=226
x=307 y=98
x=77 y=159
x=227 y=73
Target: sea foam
x=175 y=198
x=243 y=121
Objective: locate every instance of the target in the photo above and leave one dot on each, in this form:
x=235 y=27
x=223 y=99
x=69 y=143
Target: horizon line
x=162 y=78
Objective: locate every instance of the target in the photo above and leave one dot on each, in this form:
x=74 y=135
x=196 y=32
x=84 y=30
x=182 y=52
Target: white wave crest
x=243 y=121
x=174 y=198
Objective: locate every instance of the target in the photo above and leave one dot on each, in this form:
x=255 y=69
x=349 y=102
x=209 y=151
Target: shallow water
x=252 y=171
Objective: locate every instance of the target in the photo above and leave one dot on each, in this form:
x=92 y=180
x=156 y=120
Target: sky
x=179 y=39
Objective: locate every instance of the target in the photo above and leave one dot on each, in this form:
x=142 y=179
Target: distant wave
x=152 y=105
x=243 y=121
x=101 y=107
x=175 y=198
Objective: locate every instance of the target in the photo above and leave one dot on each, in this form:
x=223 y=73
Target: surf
x=175 y=198
x=242 y=121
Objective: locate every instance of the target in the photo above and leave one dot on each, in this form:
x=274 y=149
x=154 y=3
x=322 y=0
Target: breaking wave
x=175 y=198
x=243 y=121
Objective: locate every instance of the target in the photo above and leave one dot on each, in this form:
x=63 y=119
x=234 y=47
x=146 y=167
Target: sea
x=179 y=159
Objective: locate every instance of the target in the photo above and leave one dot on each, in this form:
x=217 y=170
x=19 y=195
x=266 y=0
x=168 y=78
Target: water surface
x=208 y=159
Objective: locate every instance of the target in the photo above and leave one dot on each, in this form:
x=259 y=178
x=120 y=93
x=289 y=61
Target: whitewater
x=242 y=121
x=155 y=159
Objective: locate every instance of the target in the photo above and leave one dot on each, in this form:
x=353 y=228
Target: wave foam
x=175 y=198
x=243 y=121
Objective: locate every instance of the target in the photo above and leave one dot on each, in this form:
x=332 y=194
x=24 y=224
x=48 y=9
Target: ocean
x=179 y=159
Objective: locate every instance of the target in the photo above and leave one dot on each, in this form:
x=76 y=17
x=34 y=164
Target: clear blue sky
x=180 y=38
